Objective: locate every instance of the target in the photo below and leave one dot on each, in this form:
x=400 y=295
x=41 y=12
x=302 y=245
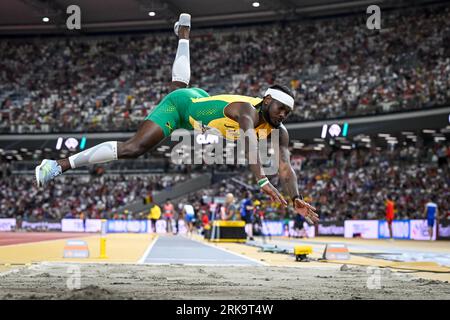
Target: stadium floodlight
x=152 y=13
x=45 y=19
x=256 y=4
x=428 y=131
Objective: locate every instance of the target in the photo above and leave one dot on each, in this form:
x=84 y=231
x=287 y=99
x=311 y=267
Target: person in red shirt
x=205 y=219
x=390 y=213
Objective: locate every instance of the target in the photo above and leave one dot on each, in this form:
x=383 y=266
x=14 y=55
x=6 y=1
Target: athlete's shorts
x=247 y=218
x=172 y=112
x=430 y=222
x=190 y=218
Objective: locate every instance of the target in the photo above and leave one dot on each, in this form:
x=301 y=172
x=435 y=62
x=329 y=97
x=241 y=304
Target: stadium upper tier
x=336 y=67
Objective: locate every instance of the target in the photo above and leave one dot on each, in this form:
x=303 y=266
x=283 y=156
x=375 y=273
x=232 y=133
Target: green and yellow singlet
x=194 y=109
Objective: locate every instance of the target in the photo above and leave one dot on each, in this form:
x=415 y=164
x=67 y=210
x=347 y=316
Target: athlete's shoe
x=46 y=171
x=183 y=21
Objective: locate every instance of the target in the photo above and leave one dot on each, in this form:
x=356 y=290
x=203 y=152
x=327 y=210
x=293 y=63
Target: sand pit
x=130 y=281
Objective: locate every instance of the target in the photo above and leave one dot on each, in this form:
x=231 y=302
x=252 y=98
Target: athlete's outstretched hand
x=306 y=210
x=273 y=193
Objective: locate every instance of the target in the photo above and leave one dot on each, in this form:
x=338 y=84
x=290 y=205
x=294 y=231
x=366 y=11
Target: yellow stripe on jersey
x=229 y=98
x=229 y=128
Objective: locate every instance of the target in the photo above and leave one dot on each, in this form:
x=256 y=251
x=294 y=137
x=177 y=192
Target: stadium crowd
x=355 y=184
x=75 y=197
x=342 y=184
x=336 y=68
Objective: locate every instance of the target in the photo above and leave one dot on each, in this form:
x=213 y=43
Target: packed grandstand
x=335 y=68
x=110 y=83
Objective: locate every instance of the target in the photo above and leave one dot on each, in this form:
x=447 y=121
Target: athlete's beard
x=266 y=115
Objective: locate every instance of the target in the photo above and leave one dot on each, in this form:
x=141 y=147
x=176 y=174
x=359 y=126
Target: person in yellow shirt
x=154 y=215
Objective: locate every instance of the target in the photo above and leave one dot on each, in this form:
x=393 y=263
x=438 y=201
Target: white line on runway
x=228 y=251
x=147 y=252
x=202 y=264
x=192 y=259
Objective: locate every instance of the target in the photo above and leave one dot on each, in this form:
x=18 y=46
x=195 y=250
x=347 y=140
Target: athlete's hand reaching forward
x=306 y=210
x=273 y=193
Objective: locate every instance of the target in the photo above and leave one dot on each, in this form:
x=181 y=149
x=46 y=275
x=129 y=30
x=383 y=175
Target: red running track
x=9 y=238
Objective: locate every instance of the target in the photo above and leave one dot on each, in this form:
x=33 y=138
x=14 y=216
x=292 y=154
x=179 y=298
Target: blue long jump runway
x=181 y=250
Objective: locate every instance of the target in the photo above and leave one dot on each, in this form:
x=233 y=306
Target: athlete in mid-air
x=189 y=108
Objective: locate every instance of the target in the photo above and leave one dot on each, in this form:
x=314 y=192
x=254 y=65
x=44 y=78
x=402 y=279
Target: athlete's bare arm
x=248 y=119
x=288 y=179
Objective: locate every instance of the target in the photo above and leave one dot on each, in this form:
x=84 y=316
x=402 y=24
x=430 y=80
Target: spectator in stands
x=88 y=85
x=228 y=210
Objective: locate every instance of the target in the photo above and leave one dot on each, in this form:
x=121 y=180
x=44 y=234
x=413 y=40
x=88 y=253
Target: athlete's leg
x=250 y=230
x=148 y=135
x=181 y=69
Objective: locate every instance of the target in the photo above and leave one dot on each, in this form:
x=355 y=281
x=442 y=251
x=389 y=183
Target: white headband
x=281 y=96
